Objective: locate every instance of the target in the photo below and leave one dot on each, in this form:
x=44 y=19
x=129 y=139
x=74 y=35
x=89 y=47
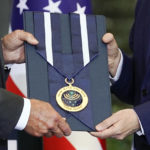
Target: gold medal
x=71 y=98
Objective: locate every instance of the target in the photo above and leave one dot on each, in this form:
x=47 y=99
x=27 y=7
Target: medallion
x=71 y=98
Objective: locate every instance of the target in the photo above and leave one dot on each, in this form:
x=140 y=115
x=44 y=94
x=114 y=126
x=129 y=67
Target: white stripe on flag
x=18 y=75
x=84 y=141
x=84 y=39
x=12 y=144
x=48 y=37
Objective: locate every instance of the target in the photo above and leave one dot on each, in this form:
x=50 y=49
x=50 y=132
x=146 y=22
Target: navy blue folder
x=67 y=35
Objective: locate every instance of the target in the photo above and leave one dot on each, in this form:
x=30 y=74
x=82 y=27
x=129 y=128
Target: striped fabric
x=84 y=31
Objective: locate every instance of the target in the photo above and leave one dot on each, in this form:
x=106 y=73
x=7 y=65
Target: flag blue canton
x=58 y=6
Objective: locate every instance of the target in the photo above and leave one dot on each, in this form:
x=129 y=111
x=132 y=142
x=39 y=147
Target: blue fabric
x=135 y=77
x=76 y=42
x=67 y=65
x=40 y=33
x=82 y=78
x=92 y=35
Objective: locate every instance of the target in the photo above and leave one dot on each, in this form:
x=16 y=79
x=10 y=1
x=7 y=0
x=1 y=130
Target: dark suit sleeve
x=143 y=112
x=11 y=107
x=123 y=88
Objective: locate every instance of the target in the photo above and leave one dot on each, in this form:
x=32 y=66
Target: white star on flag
x=53 y=7
x=22 y=5
x=80 y=10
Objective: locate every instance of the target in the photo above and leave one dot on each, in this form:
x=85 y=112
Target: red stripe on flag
x=11 y=86
x=103 y=143
x=55 y=143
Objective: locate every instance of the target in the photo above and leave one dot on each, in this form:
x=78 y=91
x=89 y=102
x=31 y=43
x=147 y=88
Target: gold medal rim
x=69 y=108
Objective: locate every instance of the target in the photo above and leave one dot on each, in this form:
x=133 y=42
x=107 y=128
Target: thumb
x=28 y=37
x=112 y=46
x=16 y=39
x=106 y=123
x=113 y=53
x=108 y=38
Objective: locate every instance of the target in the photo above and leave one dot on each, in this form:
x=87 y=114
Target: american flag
x=17 y=79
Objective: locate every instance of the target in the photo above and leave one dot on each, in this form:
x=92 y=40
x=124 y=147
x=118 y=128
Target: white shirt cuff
x=23 y=120
x=141 y=131
x=119 y=69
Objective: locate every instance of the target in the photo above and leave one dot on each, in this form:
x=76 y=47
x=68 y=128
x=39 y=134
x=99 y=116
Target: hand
x=13 y=46
x=45 y=121
x=119 y=125
x=113 y=53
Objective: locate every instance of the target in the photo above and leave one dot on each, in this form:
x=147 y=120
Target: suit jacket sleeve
x=124 y=89
x=11 y=107
x=143 y=111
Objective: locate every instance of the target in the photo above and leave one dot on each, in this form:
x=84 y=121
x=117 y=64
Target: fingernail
x=35 y=41
x=68 y=133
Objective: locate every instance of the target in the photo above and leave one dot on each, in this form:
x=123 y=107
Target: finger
x=63 y=125
x=108 y=38
x=42 y=130
x=42 y=125
x=64 y=119
x=37 y=134
x=28 y=37
x=107 y=123
x=96 y=134
x=57 y=132
x=48 y=134
x=110 y=132
x=120 y=136
x=112 y=46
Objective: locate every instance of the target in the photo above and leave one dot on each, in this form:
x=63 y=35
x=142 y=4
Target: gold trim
x=71 y=88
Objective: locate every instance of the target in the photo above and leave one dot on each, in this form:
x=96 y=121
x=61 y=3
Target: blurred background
x=120 y=15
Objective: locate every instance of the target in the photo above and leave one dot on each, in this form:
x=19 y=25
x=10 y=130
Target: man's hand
x=45 y=121
x=119 y=125
x=13 y=46
x=113 y=53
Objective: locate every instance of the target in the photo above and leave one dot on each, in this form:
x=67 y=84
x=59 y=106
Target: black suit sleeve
x=11 y=107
